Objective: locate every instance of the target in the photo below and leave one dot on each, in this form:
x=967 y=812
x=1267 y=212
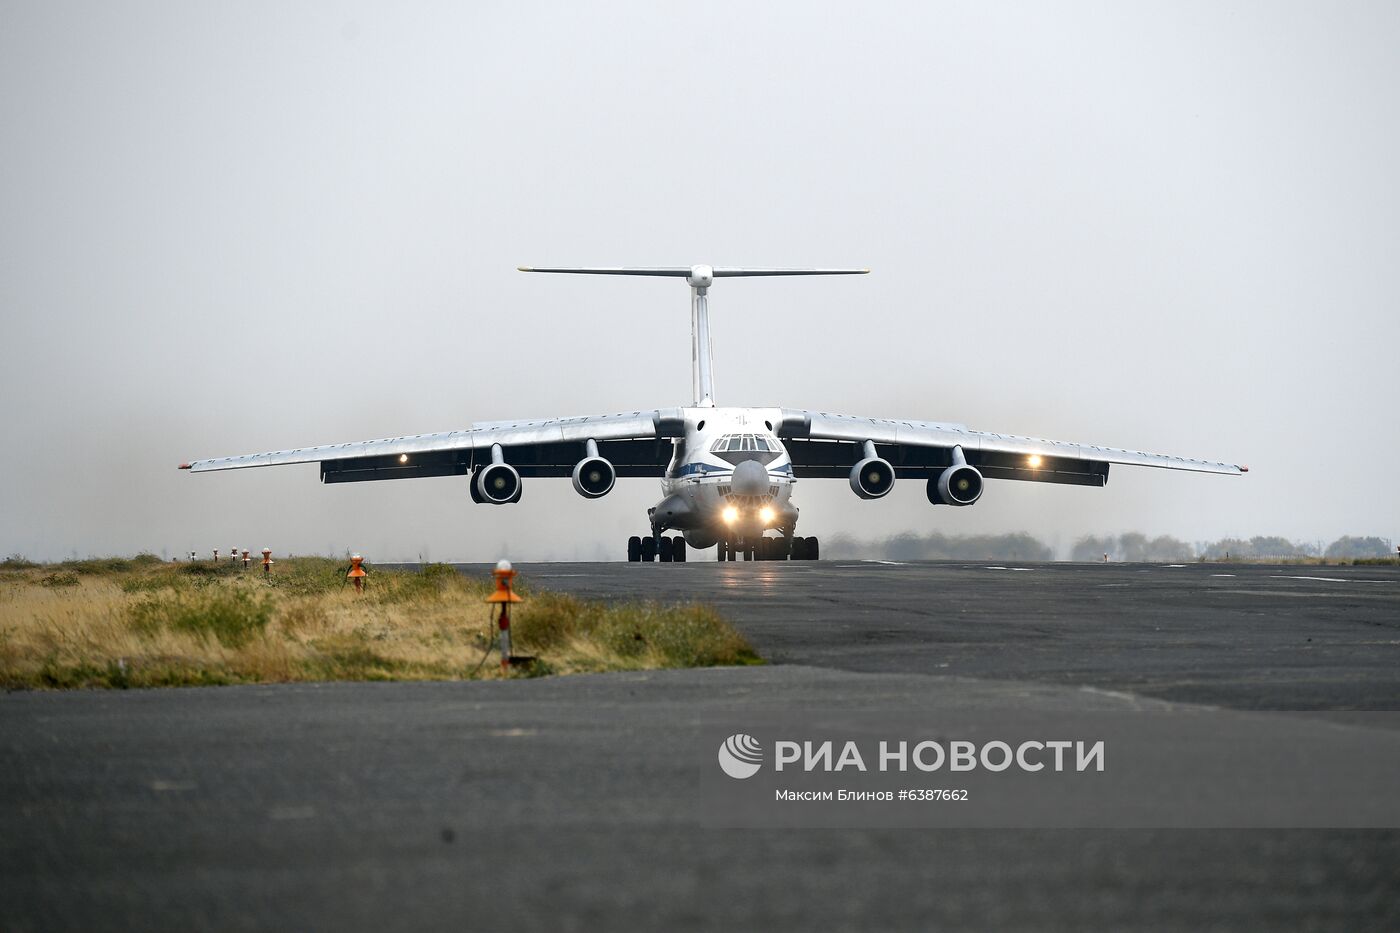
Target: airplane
x=727 y=474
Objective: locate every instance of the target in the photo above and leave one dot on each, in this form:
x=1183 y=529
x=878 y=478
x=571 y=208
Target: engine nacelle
x=960 y=484
x=496 y=484
x=872 y=478
x=594 y=477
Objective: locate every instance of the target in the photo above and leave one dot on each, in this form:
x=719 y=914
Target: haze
x=230 y=228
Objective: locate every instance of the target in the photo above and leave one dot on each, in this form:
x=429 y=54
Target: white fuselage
x=730 y=478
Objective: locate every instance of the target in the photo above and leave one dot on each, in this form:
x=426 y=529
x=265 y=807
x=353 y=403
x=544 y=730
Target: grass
x=140 y=622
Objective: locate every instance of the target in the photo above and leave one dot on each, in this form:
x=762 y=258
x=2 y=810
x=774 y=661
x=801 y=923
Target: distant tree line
x=1263 y=546
x=938 y=546
x=1131 y=547
x=1359 y=547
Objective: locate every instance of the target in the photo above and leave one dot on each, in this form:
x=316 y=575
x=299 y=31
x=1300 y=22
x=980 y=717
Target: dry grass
x=144 y=623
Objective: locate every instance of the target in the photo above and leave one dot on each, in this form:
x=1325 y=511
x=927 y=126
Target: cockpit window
x=744 y=442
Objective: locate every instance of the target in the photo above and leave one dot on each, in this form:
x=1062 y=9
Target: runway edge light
x=357 y=572
x=504 y=595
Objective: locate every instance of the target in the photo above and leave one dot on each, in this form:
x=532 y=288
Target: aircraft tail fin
x=699 y=278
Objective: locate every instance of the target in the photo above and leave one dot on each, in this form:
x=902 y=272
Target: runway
x=1242 y=636
x=567 y=803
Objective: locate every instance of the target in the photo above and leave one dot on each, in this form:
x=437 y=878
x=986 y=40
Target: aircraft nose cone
x=750 y=479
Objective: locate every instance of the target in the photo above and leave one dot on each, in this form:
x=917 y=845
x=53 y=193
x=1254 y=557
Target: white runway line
x=1288 y=576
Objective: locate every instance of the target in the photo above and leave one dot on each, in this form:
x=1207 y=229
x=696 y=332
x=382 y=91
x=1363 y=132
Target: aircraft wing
x=636 y=442
x=821 y=445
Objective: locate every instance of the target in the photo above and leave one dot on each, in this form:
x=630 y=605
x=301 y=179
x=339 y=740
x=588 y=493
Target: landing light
x=731 y=514
x=766 y=514
x=1033 y=461
x=403 y=458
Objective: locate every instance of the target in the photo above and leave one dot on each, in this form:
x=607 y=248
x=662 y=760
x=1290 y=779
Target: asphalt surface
x=569 y=803
x=1240 y=636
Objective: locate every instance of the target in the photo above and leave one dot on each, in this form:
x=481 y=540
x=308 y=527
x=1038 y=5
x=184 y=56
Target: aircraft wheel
x=634 y=549
x=678 y=550
x=666 y=553
x=648 y=550
x=813 y=549
x=799 y=549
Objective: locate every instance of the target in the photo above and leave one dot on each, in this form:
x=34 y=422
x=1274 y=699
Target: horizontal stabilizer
x=680 y=272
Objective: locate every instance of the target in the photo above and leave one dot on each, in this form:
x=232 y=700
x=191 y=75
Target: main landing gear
x=770 y=549
x=672 y=550
x=668 y=550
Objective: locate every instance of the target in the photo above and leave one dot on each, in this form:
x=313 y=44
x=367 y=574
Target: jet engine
x=497 y=484
x=594 y=477
x=960 y=484
x=873 y=476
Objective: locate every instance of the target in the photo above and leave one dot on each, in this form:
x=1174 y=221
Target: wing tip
x=184 y=466
x=1243 y=468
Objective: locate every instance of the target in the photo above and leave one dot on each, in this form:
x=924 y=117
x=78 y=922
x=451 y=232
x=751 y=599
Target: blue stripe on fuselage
x=705 y=469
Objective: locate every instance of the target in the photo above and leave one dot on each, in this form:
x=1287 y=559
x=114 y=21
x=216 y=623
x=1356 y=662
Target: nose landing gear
x=735 y=550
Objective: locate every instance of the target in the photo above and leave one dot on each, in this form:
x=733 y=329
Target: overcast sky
x=235 y=227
